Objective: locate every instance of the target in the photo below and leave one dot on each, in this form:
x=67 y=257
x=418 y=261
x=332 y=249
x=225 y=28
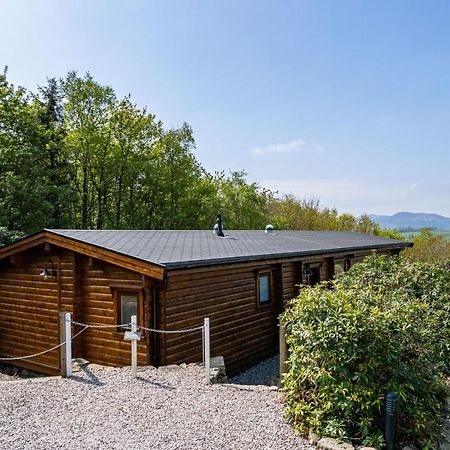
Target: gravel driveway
x=168 y=408
x=264 y=372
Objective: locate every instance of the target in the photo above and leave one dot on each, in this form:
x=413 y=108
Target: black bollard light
x=390 y=413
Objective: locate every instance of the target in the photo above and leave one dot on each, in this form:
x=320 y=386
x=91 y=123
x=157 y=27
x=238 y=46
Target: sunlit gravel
x=167 y=408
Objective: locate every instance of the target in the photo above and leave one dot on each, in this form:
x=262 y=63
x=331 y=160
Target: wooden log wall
x=30 y=304
x=30 y=307
x=96 y=304
x=241 y=331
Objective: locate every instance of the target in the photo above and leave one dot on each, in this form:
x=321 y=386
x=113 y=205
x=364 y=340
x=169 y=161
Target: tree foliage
x=75 y=155
x=429 y=247
x=31 y=186
x=384 y=325
x=291 y=213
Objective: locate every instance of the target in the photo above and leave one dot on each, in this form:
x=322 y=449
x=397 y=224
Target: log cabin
x=171 y=280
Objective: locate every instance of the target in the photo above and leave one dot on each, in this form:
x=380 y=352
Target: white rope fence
x=43 y=351
x=186 y=330
x=101 y=325
x=133 y=336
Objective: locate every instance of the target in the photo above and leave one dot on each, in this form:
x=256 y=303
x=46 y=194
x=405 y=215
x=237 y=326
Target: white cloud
x=355 y=196
x=295 y=146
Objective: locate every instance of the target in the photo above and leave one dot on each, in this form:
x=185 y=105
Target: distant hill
x=405 y=220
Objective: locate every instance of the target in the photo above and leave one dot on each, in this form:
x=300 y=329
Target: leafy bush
x=428 y=247
x=384 y=325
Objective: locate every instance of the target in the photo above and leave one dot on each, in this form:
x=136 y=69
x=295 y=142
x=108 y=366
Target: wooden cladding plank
x=224 y=298
x=33 y=342
x=26 y=294
x=220 y=286
x=8 y=325
x=245 y=311
x=99 y=310
x=103 y=292
x=114 y=340
x=39 y=367
x=28 y=299
x=118 y=275
x=207 y=308
x=25 y=275
x=19 y=296
x=201 y=284
x=30 y=312
x=28 y=287
x=100 y=319
x=225 y=268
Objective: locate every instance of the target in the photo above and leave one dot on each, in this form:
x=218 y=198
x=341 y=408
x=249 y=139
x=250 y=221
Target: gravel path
x=265 y=372
x=168 y=408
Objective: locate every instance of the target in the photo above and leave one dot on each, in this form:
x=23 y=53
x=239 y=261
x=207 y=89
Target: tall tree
x=134 y=132
x=24 y=182
x=87 y=109
x=59 y=194
x=243 y=204
x=172 y=174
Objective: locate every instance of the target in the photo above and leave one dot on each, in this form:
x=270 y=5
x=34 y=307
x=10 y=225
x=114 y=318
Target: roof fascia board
x=23 y=244
x=128 y=262
x=107 y=255
x=155 y=270
x=322 y=252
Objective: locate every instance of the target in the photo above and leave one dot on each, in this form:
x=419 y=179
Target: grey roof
x=171 y=248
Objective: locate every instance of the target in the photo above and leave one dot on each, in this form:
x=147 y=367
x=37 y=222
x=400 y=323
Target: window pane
x=264 y=288
x=128 y=307
x=339 y=267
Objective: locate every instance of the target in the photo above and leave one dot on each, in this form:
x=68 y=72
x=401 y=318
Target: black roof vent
x=218 y=226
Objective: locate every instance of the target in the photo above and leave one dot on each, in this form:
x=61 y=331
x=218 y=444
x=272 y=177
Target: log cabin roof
x=189 y=248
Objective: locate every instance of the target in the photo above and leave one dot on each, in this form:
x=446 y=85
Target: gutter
x=234 y=259
x=155 y=342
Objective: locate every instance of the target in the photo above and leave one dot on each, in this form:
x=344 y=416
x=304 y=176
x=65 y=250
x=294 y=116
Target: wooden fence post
x=283 y=350
x=62 y=338
x=134 y=347
x=68 y=346
x=207 y=351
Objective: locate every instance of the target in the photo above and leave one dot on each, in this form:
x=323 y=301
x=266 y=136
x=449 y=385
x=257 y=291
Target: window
x=128 y=307
x=128 y=301
x=341 y=266
x=264 y=288
x=312 y=273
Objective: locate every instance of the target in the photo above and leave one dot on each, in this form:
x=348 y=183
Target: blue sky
x=346 y=101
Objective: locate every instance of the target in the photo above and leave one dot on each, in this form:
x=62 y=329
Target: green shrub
x=8 y=236
x=428 y=247
x=384 y=325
